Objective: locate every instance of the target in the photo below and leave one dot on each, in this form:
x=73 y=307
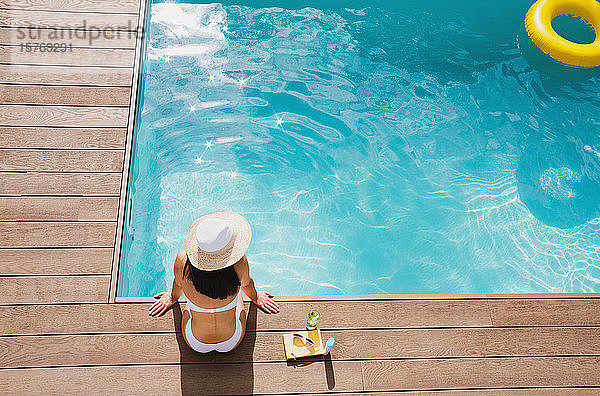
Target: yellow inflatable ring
x=538 y=25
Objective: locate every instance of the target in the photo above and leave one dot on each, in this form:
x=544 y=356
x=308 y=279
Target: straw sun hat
x=217 y=240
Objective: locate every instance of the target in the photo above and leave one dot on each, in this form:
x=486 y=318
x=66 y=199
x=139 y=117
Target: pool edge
x=131 y=126
x=378 y=297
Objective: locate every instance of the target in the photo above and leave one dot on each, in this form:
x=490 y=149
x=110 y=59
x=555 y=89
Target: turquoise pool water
x=409 y=147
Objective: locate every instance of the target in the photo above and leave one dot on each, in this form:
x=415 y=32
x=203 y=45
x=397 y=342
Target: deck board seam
x=57 y=171
x=54 y=196
x=50 y=248
x=66 y=85
x=281 y=330
x=62 y=65
x=77 y=47
x=325 y=329
x=65 y=65
x=56 y=149
x=67 y=11
x=46 y=125
x=420 y=391
x=80 y=47
x=57 y=221
x=29 y=104
x=279 y=362
x=60 y=149
x=362 y=376
x=29 y=148
x=69 y=126
x=136 y=30
x=487 y=304
x=59 y=275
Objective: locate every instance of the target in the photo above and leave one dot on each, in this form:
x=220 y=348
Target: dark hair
x=214 y=284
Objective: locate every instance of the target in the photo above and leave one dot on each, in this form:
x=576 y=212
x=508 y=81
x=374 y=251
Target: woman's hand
x=162 y=305
x=264 y=300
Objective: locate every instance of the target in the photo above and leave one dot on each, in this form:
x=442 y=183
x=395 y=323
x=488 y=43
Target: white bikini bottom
x=223 y=346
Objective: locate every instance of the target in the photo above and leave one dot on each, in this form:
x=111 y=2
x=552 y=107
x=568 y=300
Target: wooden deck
x=65 y=128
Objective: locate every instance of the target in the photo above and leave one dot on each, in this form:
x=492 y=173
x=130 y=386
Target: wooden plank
x=56 y=234
x=130 y=6
x=40 y=183
x=61 y=160
x=124 y=318
x=62 y=138
x=432 y=374
x=59 y=116
x=187 y=379
x=112 y=349
x=31 y=74
x=64 y=95
x=512 y=392
x=106 y=349
x=58 y=208
x=70 y=261
x=545 y=312
x=431 y=343
x=84 y=318
x=18 y=36
x=85 y=23
x=74 y=57
x=53 y=289
x=361 y=314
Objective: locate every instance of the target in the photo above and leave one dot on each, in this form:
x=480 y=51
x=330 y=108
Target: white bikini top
x=232 y=304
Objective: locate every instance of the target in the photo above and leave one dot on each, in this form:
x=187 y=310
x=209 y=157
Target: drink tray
x=297 y=347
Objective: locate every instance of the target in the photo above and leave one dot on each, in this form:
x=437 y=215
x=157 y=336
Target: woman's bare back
x=210 y=327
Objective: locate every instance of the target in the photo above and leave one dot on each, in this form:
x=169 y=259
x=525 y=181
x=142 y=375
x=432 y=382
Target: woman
x=211 y=271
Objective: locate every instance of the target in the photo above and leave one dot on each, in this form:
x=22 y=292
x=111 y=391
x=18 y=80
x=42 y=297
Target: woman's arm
x=263 y=300
x=167 y=299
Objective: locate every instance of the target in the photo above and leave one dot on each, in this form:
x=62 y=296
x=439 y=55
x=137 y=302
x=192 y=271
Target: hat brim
x=212 y=262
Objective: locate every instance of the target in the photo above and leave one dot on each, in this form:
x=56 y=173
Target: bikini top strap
x=232 y=304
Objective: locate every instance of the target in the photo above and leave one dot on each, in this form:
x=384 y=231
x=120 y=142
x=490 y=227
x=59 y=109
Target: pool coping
x=143 y=17
x=397 y=297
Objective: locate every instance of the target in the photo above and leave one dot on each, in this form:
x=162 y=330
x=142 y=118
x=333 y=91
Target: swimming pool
x=399 y=147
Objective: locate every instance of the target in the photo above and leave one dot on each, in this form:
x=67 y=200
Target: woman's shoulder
x=181 y=257
x=241 y=267
x=180 y=261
